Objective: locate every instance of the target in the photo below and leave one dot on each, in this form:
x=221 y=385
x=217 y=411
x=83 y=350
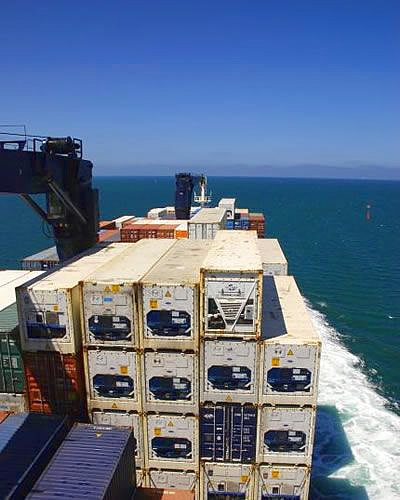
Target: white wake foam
x=373 y=432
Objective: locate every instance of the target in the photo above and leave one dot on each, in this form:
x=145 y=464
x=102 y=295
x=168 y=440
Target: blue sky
x=213 y=83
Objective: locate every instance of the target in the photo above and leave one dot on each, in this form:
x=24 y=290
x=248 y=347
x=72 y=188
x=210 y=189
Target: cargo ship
x=175 y=356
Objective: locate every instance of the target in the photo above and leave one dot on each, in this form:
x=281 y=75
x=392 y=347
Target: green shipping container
x=12 y=376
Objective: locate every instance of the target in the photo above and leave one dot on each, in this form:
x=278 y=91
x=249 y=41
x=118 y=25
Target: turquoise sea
x=348 y=269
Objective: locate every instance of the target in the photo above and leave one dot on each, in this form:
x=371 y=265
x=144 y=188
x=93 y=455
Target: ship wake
x=357 y=452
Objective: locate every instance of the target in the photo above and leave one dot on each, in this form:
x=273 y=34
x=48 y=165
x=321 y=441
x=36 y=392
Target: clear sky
x=277 y=82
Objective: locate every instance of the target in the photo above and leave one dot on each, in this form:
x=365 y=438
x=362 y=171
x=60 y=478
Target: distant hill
x=299 y=171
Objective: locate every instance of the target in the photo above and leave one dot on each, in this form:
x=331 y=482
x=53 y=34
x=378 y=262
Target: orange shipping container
x=4 y=415
x=106 y=224
x=55 y=383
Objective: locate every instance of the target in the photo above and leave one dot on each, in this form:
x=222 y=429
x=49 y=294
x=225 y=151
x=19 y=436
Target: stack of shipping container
x=257 y=223
x=51 y=338
x=12 y=376
x=169 y=309
x=231 y=288
x=258 y=373
x=204 y=348
x=290 y=356
x=111 y=330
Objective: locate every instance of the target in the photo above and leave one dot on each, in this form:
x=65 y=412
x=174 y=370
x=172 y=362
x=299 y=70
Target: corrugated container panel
x=229 y=371
x=55 y=383
x=172 y=441
x=27 y=443
x=49 y=308
x=14 y=403
x=124 y=419
x=228 y=433
x=169 y=298
x=163 y=494
x=113 y=376
x=291 y=346
x=94 y=462
x=109 y=295
x=273 y=259
x=175 y=480
x=282 y=482
x=234 y=481
x=232 y=285
x=12 y=376
x=170 y=382
x=287 y=435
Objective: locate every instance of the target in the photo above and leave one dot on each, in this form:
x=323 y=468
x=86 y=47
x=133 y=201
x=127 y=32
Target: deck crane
x=184 y=193
x=53 y=166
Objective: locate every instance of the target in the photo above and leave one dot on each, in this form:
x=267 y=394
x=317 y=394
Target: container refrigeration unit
x=280 y=481
x=177 y=480
x=291 y=346
x=227 y=481
x=286 y=435
x=229 y=371
x=170 y=381
x=113 y=380
x=169 y=294
x=172 y=441
x=231 y=285
x=49 y=308
x=109 y=295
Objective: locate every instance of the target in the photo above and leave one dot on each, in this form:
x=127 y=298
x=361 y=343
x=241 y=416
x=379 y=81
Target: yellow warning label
x=168 y=294
x=114 y=406
x=275 y=361
x=123 y=370
x=244 y=479
x=153 y=303
x=157 y=431
x=170 y=423
x=107 y=289
x=228 y=398
x=275 y=474
x=115 y=288
x=55 y=308
x=290 y=352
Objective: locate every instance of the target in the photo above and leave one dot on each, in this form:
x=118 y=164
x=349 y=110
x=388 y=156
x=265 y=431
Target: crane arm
x=58 y=171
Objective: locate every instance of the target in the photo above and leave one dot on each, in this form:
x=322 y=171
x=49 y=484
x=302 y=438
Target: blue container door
x=243 y=434
x=228 y=433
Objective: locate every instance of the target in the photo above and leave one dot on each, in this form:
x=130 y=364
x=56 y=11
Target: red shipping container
x=55 y=383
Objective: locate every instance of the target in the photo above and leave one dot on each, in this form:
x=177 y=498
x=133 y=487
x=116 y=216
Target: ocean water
x=348 y=269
